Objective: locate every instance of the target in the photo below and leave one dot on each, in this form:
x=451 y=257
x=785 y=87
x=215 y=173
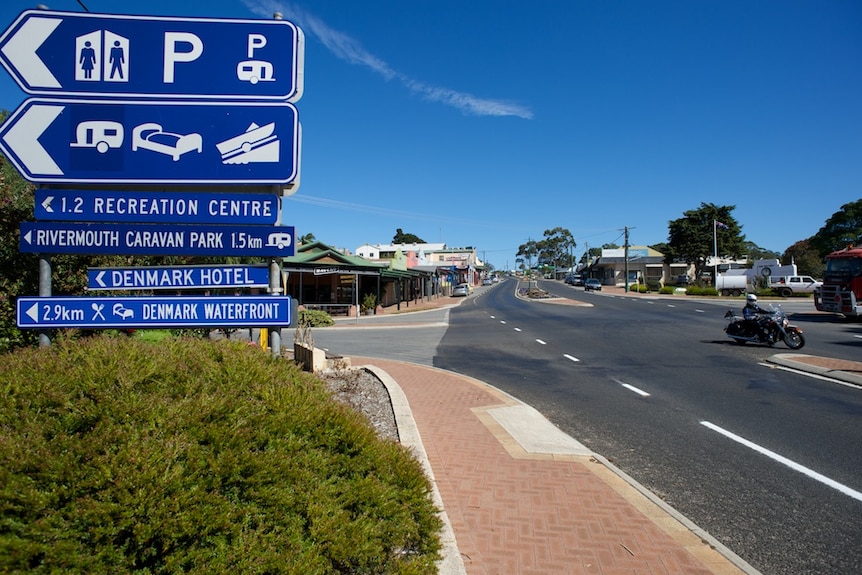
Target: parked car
x=592 y=284
x=461 y=290
x=487 y=282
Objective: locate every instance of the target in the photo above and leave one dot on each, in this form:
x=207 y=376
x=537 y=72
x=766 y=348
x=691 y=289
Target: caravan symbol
x=254 y=71
x=99 y=134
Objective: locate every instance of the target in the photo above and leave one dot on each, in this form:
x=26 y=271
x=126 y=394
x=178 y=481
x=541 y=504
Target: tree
x=306 y=239
x=690 y=238
x=843 y=228
x=529 y=250
x=556 y=248
x=402 y=238
x=808 y=261
x=660 y=247
x=755 y=252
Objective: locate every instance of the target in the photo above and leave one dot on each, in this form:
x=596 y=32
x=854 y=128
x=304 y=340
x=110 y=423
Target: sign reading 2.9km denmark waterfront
x=153 y=312
x=156 y=240
x=81 y=54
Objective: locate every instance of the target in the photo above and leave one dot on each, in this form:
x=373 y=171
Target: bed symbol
x=150 y=136
x=257 y=144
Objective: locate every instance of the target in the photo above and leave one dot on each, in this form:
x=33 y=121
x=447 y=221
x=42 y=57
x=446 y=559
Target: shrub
x=315 y=318
x=697 y=290
x=666 y=290
x=369 y=302
x=194 y=456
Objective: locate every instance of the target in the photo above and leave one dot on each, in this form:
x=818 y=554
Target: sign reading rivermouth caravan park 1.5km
x=153 y=312
x=155 y=239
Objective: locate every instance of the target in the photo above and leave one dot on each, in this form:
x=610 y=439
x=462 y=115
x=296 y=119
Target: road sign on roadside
x=178 y=278
x=156 y=239
x=84 y=54
x=157 y=207
x=153 y=312
x=146 y=142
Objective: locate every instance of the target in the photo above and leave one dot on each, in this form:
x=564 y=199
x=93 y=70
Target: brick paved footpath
x=520 y=513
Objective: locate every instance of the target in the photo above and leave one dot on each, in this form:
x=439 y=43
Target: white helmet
x=751 y=297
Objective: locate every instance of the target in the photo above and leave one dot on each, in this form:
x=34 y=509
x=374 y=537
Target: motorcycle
x=767 y=329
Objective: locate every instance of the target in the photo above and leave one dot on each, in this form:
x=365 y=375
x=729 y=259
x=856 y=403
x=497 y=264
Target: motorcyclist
x=752 y=312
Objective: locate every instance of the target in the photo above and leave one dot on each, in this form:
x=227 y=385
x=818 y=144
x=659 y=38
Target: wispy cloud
x=351 y=50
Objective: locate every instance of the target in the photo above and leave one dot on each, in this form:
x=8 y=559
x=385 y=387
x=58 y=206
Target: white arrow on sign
x=21 y=52
x=23 y=138
x=99 y=277
x=47 y=204
x=28 y=237
x=33 y=312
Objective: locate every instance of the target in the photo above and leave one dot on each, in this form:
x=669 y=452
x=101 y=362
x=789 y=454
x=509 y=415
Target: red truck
x=841 y=291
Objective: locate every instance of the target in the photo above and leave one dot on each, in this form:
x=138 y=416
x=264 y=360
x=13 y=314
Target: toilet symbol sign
x=102 y=56
x=51 y=53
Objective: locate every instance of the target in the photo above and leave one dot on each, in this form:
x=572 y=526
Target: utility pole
x=626 y=254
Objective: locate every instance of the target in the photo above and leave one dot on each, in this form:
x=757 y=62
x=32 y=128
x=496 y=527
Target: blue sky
x=485 y=122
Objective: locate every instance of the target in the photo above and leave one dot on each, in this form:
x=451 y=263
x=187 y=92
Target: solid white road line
x=783 y=460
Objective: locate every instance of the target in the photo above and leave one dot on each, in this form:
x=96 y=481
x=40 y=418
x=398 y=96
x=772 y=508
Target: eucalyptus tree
x=556 y=248
x=696 y=236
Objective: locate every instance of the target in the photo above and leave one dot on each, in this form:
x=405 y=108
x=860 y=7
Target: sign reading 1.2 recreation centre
x=157 y=207
x=81 y=54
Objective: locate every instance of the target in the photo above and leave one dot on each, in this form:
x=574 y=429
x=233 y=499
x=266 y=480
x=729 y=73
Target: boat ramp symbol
x=256 y=144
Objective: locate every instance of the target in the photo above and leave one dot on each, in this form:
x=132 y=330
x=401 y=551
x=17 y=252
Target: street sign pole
x=144 y=102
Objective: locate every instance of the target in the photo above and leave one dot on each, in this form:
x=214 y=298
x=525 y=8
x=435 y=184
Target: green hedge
x=315 y=318
x=697 y=290
x=190 y=456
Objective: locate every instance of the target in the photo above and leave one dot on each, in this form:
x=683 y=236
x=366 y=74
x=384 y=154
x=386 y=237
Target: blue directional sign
x=153 y=312
x=155 y=239
x=177 y=278
x=157 y=207
x=146 y=142
x=83 y=54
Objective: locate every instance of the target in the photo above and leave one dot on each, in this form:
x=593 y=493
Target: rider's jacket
x=752 y=310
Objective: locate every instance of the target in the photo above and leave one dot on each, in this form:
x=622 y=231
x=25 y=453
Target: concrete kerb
x=408 y=433
x=818 y=366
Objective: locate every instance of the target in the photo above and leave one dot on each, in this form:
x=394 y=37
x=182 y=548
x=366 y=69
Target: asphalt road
x=765 y=460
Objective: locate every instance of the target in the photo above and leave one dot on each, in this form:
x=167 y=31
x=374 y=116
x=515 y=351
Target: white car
x=461 y=290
